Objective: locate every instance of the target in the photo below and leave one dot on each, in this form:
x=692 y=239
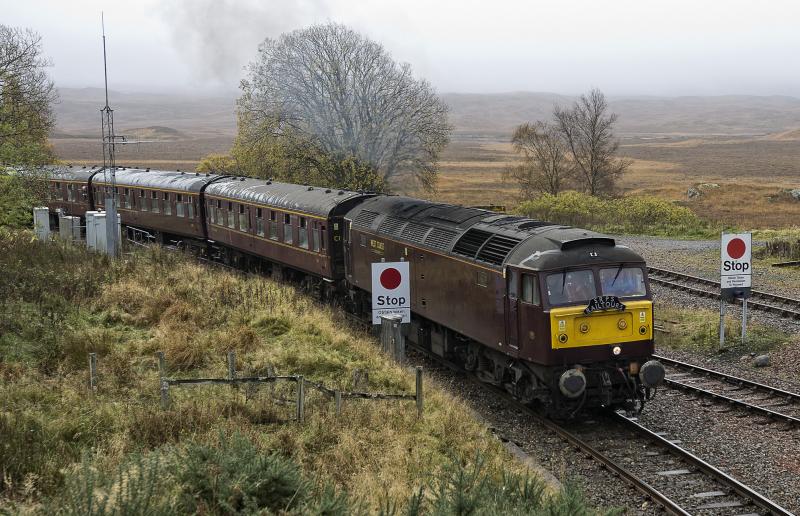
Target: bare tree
x=26 y=95
x=587 y=128
x=545 y=166
x=345 y=95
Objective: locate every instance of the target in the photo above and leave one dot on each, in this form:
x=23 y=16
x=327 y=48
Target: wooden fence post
x=301 y=399
x=419 y=391
x=337 y=401
x=164 y=394
x=231 y=365
x=162 y=365
x=93 y=371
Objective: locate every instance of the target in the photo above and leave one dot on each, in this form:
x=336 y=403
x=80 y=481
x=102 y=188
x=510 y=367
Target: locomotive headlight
x=617 y=350
x=621 y=324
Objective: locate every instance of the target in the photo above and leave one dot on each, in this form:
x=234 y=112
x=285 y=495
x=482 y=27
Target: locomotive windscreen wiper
x=617 y=274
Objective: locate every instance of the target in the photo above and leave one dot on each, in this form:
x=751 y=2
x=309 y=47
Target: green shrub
x=233 y=477
x=633 y=215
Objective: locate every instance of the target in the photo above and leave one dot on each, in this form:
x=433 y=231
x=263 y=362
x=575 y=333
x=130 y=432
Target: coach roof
x=158 y=179
x=307 y=199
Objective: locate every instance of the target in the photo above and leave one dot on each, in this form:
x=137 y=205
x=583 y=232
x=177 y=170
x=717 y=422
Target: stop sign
x=736 y=261
x=391 y=290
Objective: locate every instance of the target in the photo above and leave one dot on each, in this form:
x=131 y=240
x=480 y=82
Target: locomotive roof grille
x=470 y=242
x=415 y=232
x=497 y=248
x=440 y=238
x=391 y=225
x=365 y=218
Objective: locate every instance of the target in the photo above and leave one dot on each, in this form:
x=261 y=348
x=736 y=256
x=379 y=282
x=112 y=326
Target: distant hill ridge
x=471 y=113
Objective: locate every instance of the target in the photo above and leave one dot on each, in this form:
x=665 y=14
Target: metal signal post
x=109 y=163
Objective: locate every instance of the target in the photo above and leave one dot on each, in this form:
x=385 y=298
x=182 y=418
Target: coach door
x=512 y=310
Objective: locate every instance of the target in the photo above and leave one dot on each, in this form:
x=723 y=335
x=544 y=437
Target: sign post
x=391 y=290
x=735 y=276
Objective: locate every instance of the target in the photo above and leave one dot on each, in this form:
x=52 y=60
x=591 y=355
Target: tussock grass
x=67 y=451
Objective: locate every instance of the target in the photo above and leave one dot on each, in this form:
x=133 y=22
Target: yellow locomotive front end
x=572 y=327
x=601 y=334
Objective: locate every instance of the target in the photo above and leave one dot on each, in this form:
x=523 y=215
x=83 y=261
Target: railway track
x=763 y=301
x=757 y=398
x=655 y=466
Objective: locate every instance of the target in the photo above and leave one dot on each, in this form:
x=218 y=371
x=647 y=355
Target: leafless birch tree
x=26 y=95
x=545 y=167
x=587 y=128
x=343 y=94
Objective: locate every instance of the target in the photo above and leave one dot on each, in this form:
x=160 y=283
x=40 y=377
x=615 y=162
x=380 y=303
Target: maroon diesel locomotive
x=559 y=316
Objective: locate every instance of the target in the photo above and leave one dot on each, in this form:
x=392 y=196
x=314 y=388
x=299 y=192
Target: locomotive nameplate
x=604 y=303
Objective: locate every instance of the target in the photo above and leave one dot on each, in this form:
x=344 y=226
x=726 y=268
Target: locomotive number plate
x=604 y=303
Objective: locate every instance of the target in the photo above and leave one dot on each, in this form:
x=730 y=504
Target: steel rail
x=722 y=477
x=713 y=283
x=733 y=380
x=640 y=485
x=757 y=305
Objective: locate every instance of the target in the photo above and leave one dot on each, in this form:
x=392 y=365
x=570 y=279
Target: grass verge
x=217 y=450
x=697 y=330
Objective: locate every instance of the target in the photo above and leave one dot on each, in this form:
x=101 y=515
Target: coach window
x=482 y=279
x=231 y=216
x=190 y=205
x=179 y=205
x=363 y=240
x=70 y=193
x=167 y=204
x=142 y=201
x=259 y=222
x=244 y=218
x=287 y=228
x=322 y=237
x=302 y=234
x=154 y=201
x=315 y=236
x=530 y=289
x=273 y=225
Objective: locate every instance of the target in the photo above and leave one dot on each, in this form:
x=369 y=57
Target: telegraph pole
x=109 y=162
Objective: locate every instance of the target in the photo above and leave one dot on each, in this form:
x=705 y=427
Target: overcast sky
x=636 y=47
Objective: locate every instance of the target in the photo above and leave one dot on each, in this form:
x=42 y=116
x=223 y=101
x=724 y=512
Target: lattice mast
x=109 y=162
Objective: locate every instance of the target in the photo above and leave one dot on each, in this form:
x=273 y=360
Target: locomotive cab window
x=622 y=281
x=287 y=228
x=530 y=289
x=571 y=287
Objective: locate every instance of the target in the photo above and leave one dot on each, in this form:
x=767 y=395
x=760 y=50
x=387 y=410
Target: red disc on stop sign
x=390 y=279
x=736 y=248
